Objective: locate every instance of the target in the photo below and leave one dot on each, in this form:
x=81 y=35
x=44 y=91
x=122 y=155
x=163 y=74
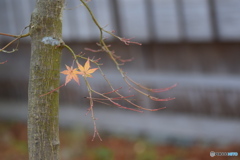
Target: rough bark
x=46 y=35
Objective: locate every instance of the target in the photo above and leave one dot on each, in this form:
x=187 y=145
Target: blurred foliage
x=101 y=153
x=77 y=144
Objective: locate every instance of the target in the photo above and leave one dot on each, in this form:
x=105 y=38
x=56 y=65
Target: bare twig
x=91 y=109
x=17 y=37
x=116 y=58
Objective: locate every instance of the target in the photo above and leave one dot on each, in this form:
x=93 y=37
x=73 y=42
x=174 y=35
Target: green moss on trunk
x=46 y=35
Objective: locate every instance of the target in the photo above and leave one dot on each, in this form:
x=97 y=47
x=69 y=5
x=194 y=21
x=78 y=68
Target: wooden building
x=195 y=43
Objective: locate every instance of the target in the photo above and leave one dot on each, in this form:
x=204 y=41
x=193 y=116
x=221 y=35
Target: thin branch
x=91 y=109
x=17 y=37
x=75 y=56
x=52 y=90
x=149 y=89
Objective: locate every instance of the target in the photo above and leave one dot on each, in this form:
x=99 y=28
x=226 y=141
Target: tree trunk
x=46 y=36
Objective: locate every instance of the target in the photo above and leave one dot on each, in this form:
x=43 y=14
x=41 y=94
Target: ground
x=78 y=145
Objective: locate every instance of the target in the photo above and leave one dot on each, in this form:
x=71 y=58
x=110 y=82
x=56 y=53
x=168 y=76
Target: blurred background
x=195 y=43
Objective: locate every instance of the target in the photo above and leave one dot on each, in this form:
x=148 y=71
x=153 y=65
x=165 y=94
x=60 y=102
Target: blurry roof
x=146 y=20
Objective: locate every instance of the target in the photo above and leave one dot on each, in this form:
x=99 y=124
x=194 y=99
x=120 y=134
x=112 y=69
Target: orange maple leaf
x=71 y=74
x=86 y=71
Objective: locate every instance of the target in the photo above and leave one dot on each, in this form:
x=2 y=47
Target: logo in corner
x=212 y=153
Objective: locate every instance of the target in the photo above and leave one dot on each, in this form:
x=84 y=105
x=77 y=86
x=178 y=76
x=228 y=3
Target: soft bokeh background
x=195 y=43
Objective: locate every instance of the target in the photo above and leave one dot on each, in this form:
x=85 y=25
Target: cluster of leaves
x=72 y=73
